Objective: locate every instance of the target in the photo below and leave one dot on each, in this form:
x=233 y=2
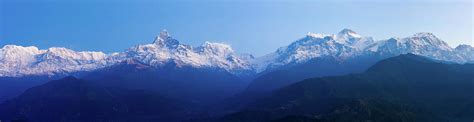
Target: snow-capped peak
x=19 y=60
x=425 y=44
x=166 y=50
x=352 y=38
x=164 y=39
x=414 y=43
x=61 y=52
x=342 y=45
x=464 y=47
x=348 y=33
x=428 y=39
x=466 y=52
x=14 y=57
x=218 y=49
x=316 y=35
x=347 y=43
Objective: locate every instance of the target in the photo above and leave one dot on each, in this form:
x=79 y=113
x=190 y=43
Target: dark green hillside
x=71 y=99
x=403 y=88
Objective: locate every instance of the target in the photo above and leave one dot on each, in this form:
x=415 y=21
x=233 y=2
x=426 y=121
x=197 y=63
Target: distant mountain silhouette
x=317 y=67
x=72 y=99
x=200 y=85
x=403 y=88
x=13 y=86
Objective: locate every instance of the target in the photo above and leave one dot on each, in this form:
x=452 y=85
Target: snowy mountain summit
x=425 y=44
x=345 y=44
x=165 y=51
x=20 y=61
x=349 y=44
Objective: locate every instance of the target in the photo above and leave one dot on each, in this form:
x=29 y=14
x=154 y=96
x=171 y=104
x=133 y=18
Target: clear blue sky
x=250 y=26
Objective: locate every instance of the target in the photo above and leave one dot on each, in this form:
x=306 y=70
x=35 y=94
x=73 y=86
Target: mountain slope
x=13 y=86
x=312 y=56
x=406 y=87
x=71 y=99
x=184 y=82
x=166 y=49
x=346 y=52
x=466 y=51
x=425 y=44
x=343 y=45
x=17 y=61
x=200 y=74
x=321 y=66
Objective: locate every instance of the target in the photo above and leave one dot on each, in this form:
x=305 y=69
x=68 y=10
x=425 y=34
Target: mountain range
x=402 y=88
x=353 y=73
x=23 y=61
x=343 y=53
x=311 y=56
x=17 y=61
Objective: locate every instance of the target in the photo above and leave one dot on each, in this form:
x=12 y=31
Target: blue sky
x=250 y=26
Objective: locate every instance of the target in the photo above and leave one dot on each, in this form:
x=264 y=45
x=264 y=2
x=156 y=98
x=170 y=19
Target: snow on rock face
x=344 y=44
x=417 y=42
x=351 y=38
x=465 y=51
x=348 y=43
x=218 y=49
x=18 y=55
x=165 y=40
x=165 y=49
x=425 y=44
x=64 y=53
x=19 y=61
x=13 y=58
x=347 y=34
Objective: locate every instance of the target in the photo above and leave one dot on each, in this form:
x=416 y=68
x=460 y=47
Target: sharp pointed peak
x=348 y=32
x=163 y=36
x=164 y=39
